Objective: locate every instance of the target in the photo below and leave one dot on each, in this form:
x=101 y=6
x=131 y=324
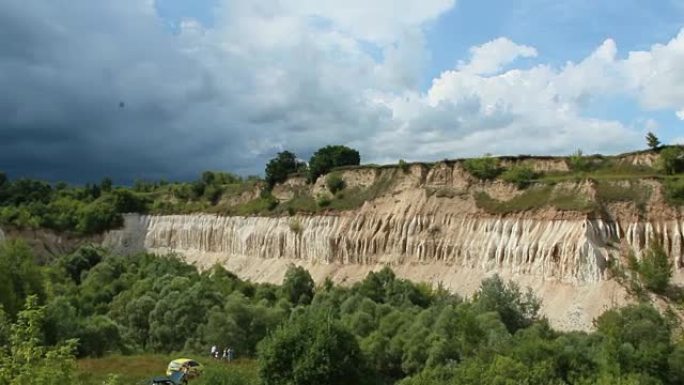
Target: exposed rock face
x=47 y=244
x=563 y=260
x=426 y=224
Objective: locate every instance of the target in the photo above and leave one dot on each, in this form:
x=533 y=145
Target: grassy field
x=139 y=369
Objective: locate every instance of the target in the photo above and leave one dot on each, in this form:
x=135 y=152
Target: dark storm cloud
x=103 y=88
x=107 y=88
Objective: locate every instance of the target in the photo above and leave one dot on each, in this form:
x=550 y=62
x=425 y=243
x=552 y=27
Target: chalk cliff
x=428 y=224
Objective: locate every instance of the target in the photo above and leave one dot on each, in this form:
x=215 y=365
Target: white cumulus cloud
x=492 y=56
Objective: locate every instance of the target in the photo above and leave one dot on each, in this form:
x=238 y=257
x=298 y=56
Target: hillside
x=555 y=224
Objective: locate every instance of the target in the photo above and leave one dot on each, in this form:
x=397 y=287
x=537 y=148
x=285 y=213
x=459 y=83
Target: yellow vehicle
x=191 y=367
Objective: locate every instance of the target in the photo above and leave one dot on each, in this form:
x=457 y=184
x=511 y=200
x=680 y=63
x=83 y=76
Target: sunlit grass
x=139 y=369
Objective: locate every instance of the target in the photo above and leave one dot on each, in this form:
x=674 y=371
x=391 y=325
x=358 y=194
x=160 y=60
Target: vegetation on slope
x=381 y=330
x=94 y=208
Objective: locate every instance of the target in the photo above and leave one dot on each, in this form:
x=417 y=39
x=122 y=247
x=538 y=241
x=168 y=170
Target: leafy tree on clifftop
x=278 y=168
x=329 y=157
x=652 y=141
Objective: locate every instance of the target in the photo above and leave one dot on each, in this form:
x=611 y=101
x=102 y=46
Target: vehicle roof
x=182 y=360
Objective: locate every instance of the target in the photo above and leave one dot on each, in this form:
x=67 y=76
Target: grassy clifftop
x=533 y=182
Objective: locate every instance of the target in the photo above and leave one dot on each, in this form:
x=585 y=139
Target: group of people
x=227 y=354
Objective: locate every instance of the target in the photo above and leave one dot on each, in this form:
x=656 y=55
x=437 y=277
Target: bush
x=312 y=349
x=335 y=183
x=655 y=269
x=579 y=163
x=323 y=201
x=674 y=191
x=403 y=165
x=521 y=176
x=482 y=168
x=672 y=160
x=298 y=286
x=517 y=310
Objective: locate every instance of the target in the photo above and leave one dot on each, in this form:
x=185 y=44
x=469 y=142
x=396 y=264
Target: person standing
x=214 y=351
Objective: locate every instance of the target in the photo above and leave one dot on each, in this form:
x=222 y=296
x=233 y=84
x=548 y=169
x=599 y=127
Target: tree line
x=381 y=330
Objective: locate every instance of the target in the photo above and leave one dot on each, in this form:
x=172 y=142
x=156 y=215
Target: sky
x=151 y=89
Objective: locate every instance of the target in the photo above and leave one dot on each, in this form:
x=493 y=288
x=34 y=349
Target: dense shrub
x=482 y=168
x=655 y=269
x=578 y=162
x=311 y=349
x=335 y=183
x=674 y=191
x=672 y=160
x=521 y=176
x=381 y=330
x=298 y=286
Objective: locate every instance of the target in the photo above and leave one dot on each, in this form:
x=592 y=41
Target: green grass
x=139 y=369
x=443 y=192
x=535 y=197
x=611 y=192
x=602 y=169
x=301 y=203
x=347 y=199
x=261 y=205
x=674 y=190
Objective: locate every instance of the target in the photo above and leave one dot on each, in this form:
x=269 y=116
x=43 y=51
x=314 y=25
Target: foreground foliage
x=381 y=330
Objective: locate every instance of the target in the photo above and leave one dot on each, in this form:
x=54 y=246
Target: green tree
x=517 y=310
x=672 y=160
x=298 y=286
x=655 y=269
x=652 y=141
x=311 y=349
x=98 y=335
x=106 y=184
x=20 y=276
x=635 y=339
x=25 y=360
x=278 y=168
x=329 y=157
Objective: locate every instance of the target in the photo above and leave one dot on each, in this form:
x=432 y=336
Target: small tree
x=106 y=184
x=25 y=360
x=579 y=162
x=517 y=310
x=278 y=168
x=655 y=269
x=652 y=141
x=298 y=286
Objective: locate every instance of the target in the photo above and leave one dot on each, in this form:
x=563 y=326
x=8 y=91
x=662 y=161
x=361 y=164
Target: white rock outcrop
x=564 y=261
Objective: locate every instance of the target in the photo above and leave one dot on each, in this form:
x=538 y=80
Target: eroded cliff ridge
x=437 y=223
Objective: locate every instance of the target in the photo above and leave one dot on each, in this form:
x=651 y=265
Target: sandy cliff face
x=428 y=227
x=426 y=224
x=564 y=261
